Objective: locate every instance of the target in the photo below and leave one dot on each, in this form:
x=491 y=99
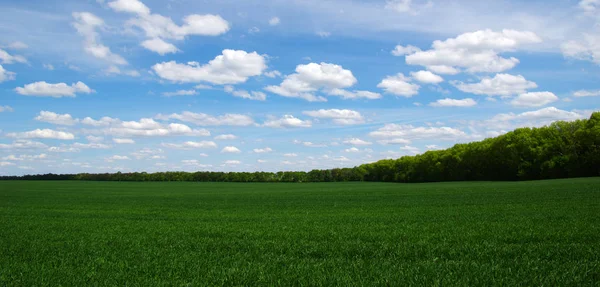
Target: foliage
x=560 y=150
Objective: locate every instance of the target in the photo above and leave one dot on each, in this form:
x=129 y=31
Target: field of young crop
x=148 y=234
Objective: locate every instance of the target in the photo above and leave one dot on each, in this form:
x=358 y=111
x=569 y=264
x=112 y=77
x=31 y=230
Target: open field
x=111 y=233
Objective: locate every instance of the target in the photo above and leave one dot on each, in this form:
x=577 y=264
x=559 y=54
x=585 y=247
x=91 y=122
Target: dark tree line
x=560 y=150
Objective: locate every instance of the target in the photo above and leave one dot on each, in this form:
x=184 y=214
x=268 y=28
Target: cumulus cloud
x=57 y=119
x=226 y=137
x=230 y=149
x=43 y=89
x=208 y=120
x=468 y=102
x=181 y=93
x=340 y=117
x=288 y=121
x=191 y=145
x=409 y=132
x=114 y=70
x=86 y=25
x=584 y=93
x=290 y=155
x=43 y=134
x=6 y=75
x=535 y=99
x=159 y=46
x=426 y=77
x=274 y=21
x=475 y=52
x=311 y=78
x=263 y=150
x=5 y=109
x=545 y=115
x=103 y=122
x=399 y=85
x=23 y=144
x=232 y=162
x=345 y=94
x=500 y=85
x=25 y=157
x=157 y=27
x=586 y=49
x=357 y=142
x=394 y=142
x=405 y=50
x=123 y=141
x=93 y=145
x=18 y=46
x=256 y=96
x=231 y=67
x=6 y=58
x=117 y=157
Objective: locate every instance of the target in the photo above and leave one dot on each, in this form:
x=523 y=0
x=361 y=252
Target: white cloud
x=405 y=50
x=290 y=155
x=309 y=144
x=208 y=120
x=426 y=77
x=311 y=78
x=398 y=141
x=535 y=99
x=117 y=157
x=344 y=94
x=263 y=150
x=545 y=115
x=18 y=46
x=5 y=109
x=468 y=102
x=500 y=85
x=43 y=134
x=323 y=34
x=352 y=150
x=43 y=89
x=86 y=24
x=256 y=96
x=191 y=145
x=399 y=85
x=444 y=70
x=5 y=163
x=288 y=121
x=273 y=74
x=103 y=122
x=232 y=162
x=340 y=117
x=586 y=49
x=23 y=144
x=226 y=137
x=410 y=149
x=49 y=67
x=57 y=119
x=253 y=30
x=232 y=67
x=159 y=46
x=114 y=70
x=409 y=132
x=25 y=157
x=274 y=21
x=94 y=138
x=401 y=6
x=357 y=142
x=123 y=141
x=476 y=51
x=230 y=149
x=78 y=146
x=589 y=6
x=6 y=75
x=584 y=93
x=181 y=93
x=6 y=58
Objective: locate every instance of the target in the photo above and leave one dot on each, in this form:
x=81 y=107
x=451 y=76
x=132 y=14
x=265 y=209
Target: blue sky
x=129 y=85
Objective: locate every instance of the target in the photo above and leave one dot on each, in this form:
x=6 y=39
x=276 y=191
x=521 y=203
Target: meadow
x=75 y=233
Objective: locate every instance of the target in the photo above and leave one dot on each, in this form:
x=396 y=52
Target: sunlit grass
x=148 y=234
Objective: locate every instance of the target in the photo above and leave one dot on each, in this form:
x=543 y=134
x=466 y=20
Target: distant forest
x=560 y=150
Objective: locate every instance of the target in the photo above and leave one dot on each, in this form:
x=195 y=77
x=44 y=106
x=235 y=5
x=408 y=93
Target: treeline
x=560 y=150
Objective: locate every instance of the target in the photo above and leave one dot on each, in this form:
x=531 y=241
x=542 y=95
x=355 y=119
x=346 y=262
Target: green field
x=73 y=233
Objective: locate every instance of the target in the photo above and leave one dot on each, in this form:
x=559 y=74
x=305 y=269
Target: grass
x=544 y=233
